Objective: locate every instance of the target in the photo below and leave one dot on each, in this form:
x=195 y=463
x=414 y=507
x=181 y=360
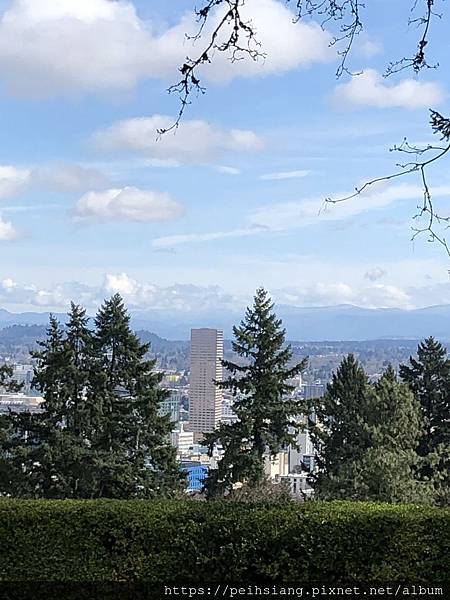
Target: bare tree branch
x=241 y=41
x=418 y=61
x=440 y=126
x=347 y=13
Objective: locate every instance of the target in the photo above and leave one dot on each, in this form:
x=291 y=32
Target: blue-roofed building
x=196 y=474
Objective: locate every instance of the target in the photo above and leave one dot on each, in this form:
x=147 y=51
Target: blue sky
x=92 y=203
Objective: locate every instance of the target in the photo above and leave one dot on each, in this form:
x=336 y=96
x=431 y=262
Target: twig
x=440 y=126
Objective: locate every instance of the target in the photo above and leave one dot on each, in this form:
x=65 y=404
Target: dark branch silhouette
x=241 y=41
x=440 y=126
x=418 y=61
x=346 y=16
x=241 y=38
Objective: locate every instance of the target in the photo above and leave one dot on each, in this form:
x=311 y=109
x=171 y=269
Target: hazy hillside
x=308 y=324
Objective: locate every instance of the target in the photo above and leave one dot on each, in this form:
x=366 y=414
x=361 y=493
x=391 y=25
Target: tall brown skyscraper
x=205 y=398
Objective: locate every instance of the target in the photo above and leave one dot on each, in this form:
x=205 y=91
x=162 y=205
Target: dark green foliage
x=100 y=434
x=7 y=384
x=428 y=376
x=265 y=410
x=133 y=457
x=342 y=435
x=175 y=542
x=367 y=436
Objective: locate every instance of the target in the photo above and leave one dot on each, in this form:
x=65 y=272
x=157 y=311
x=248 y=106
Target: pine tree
x=367 y=437
x=7 y=385
x=132 y=456
x=42 y=450
x=341 y=436
x=31 y=438
x=428 y=376
x=266 y=414
x=389 y=470
x=99 y=433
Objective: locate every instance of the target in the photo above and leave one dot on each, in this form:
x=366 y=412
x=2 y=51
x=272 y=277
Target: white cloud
x=375 y=273
x=57 y=296
x=111 y=48
x=129 y=204
x=146 y=296
x=287 y=216
x=7 y=231
x=12 y=180
x=317 y=294
x=293 y=215
x=175 y=240
x=322 y=285
x=284 y=175
x=369 y=47
x=331 y=294
x=371 y=89
x=286 y=45
x=227 y=170
x=68 y=178
x=193 y=140
x=120 y=283
x=8 y=284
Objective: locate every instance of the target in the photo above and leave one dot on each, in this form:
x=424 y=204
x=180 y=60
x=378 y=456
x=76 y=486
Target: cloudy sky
x=92 y=202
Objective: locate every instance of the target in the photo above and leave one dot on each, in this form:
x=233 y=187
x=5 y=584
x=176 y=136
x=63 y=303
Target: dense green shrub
x=179 y=542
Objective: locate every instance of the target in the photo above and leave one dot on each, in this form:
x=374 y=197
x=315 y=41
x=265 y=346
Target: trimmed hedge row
x=180 y=542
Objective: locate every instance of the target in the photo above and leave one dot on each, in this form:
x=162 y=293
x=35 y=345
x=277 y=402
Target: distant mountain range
x=344 y=322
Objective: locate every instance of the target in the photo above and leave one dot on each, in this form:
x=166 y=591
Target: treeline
x=387 y=441
x=101 y=435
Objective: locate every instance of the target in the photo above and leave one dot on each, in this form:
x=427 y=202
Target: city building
x=313 y=390
x=302 y=456
x=228 y=414
x=24 y=374
x=171 y=406
x=196 y=475
x=276 y=466
x=20 y=403
x=298 y=485
x=182 y=439
x=205 y=398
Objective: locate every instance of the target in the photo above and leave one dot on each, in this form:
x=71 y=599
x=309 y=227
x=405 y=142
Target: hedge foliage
x=179 y=542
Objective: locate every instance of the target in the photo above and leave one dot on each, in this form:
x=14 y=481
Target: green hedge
x=176 y=542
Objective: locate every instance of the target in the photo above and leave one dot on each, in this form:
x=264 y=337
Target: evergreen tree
x=7 y=385
x=428 y=376
x=266 y=412
x=389 y=470
x=39 y=449
x=367 y=437
x=341 y=436
x=99 y=433
x=132 y=456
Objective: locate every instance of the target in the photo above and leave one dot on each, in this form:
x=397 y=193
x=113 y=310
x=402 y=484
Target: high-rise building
x=205 y=398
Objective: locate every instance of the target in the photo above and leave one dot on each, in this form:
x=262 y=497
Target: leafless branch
x=419 y=60
x=347 y=13
x=240 y=42
x=440 y=126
